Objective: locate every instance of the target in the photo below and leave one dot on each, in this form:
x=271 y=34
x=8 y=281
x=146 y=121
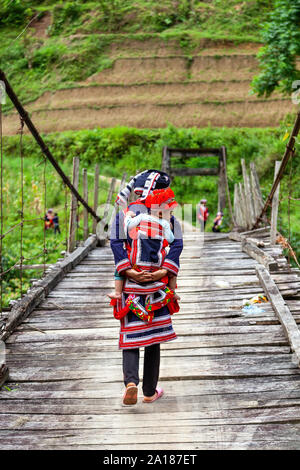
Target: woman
x=145 y=264
x=202 y=213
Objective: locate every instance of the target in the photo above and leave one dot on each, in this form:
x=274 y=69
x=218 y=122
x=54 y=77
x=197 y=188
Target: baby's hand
x=131 y=214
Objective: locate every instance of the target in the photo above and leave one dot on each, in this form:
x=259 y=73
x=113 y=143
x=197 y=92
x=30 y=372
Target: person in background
x=49 y=219
x=56 y=223
x=218 y=222
x=202 y=213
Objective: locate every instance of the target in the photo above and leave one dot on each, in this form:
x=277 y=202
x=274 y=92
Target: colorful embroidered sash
x=145 y=313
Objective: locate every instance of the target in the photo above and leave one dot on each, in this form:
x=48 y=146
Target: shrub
x=65 y=15
x=14 y=13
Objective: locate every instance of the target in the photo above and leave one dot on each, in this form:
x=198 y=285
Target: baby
x=130 y=223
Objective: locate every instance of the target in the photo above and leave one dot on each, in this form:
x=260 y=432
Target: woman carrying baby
x=140 y=246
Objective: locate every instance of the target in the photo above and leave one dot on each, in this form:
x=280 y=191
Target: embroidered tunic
x=150 y=254
x=202 y=212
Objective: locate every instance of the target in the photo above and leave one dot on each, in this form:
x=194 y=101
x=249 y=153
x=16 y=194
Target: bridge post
x=224 y=157
x=96 y=191
x=73 y=208
x=243 y=206
x=101 y=227
x=165 y=164
x=256 y=192
x=86 y=198
x=222 y=186
x=238 y=219
x=275 y=203
x=248 y=195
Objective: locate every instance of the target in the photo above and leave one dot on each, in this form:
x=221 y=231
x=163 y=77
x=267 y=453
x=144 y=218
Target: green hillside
x=66 y=42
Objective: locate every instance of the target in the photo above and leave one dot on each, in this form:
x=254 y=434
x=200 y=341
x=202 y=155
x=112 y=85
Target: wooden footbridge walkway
x=232 y=377
x=229 y=379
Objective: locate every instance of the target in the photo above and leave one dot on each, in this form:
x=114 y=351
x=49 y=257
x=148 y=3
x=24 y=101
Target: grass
x=225 y=17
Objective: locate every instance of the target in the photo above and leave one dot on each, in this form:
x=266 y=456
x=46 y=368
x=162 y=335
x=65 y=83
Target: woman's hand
x=145 y=276
x=139 y=276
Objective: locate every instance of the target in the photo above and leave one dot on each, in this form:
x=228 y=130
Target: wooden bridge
x=231 y=379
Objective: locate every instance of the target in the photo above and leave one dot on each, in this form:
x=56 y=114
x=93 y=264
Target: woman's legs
x=131 y=366
x=151 y=369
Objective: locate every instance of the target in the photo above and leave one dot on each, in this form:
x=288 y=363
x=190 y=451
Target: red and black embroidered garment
x=148 y=253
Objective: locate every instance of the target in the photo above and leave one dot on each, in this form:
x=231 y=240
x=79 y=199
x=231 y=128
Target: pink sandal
x=159 y=393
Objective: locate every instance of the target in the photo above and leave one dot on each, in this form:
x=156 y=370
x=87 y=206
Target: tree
x=281 y=36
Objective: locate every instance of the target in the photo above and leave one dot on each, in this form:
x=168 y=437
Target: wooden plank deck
x=229 y=379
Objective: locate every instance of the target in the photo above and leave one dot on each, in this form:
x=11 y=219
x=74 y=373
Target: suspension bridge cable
x=66 y=217
x=23 y=31
x=45 y=209
x=1 y=211
x=42 y=144
x=290 y=192
x=22 y=203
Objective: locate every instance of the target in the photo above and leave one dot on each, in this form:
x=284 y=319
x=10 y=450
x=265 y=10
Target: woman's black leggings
x=151 y=367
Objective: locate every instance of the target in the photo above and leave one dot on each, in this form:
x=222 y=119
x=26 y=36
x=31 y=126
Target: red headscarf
x=161 y=198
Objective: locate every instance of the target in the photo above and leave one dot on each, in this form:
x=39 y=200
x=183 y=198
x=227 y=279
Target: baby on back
x=154 y=224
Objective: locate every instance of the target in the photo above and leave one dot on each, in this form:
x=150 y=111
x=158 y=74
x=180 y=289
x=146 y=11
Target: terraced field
x=152 y=83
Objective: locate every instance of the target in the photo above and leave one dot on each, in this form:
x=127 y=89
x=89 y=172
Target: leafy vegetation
x=37 y=199
x=128 y=149
x=281 y=36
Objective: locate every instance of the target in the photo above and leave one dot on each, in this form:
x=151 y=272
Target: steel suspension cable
x=42 y=144
x=45 y=209
x=1 y=210
x=290 y=192
x=22 y=203
x=66 y=217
